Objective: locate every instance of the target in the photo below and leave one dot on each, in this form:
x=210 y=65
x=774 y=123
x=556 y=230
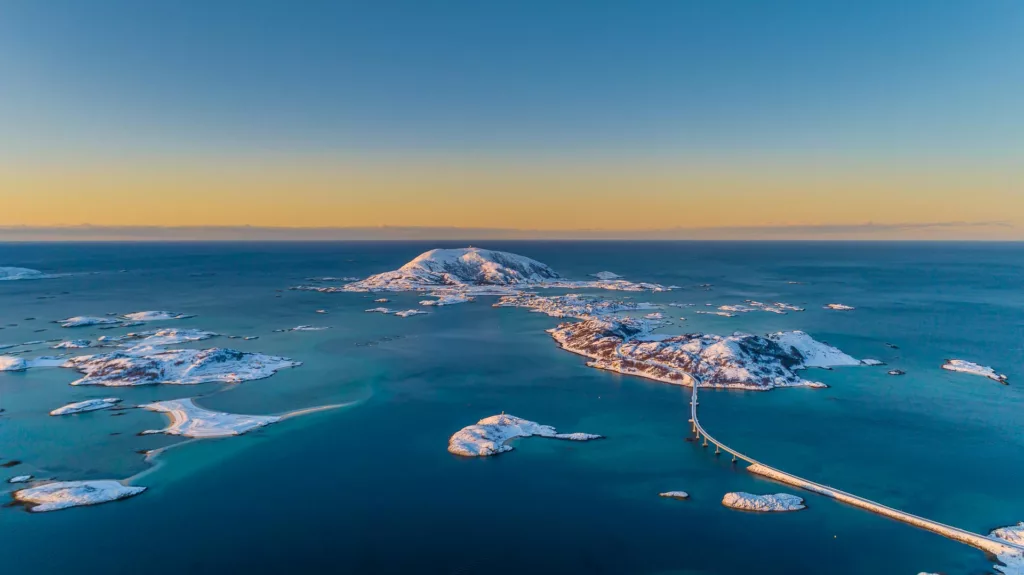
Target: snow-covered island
x=466 y=266
x=72 y=344
x=718 y=313
x=606 y=275
x=740 y=361
x=178 y=366
x=972 y=368
x=87 y=405
x=675 y=494
x=1012 y=558
x=471 y=272
x=447 y=299
x=389 y=311
x=20 y=479
x=154 y=316
x=490 y=435
x=572 y=305
x=87 y=320
x=190 y=420
x=839 y=307
x=780 y=308
x=12 y=363
x=305 y=328
x=763 y=503
x=64 y=494
x=8 y=273
x=145 y=341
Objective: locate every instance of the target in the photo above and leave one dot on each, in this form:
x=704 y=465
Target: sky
x=676 y=119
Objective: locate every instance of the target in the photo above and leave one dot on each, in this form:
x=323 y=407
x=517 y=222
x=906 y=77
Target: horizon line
x=906 y=231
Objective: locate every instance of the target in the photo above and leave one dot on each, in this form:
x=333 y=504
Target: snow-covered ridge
x=490 y=435
x=972 y=368
x=181 y=366
x=763 y=503
x=64 y=494
x=814 y=352
x=87 y=405
x=190 y=420
x=741 y=361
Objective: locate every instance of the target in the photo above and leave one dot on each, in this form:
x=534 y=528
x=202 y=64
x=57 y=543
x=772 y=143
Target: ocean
x=370 y=487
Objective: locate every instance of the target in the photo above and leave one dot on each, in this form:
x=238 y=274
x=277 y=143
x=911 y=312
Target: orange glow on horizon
x=536 y=197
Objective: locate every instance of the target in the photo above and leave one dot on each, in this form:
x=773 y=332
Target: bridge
x=988 y=544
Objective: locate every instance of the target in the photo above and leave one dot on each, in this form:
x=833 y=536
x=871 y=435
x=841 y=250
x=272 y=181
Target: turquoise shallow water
x=371 y=489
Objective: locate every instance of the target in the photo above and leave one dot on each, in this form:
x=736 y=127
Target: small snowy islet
x=763 y=503
x=64 y=494
x=490 y=435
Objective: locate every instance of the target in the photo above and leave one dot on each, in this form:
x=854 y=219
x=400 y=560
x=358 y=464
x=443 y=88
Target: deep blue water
x=372 y=489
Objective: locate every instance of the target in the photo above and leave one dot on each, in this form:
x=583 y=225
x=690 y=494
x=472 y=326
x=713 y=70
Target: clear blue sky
x=519 y=74
x=868 y=81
